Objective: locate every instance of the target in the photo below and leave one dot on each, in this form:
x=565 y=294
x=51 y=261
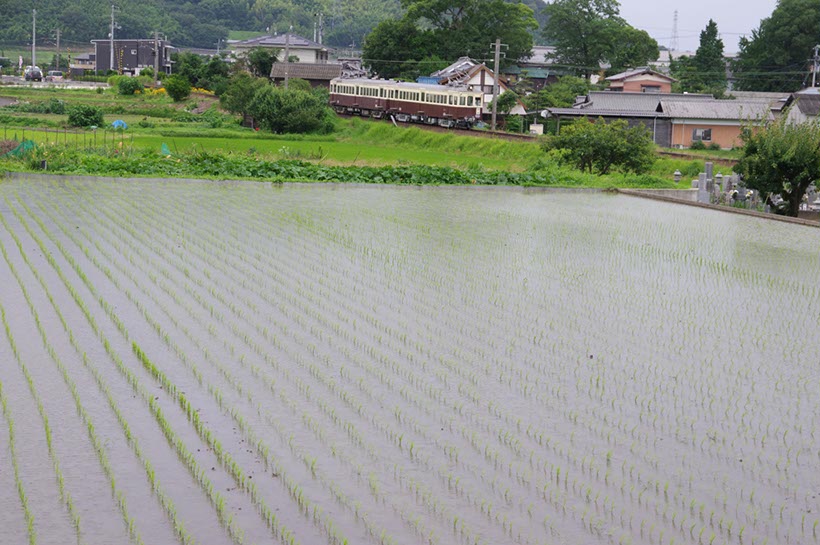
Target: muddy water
x=459 y=365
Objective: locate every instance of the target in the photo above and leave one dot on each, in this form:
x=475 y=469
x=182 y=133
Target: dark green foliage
x=506 y=102
x=129 y=86
x=706 y=71
x=560 y=94
x=600 y=147
x=697 y=145
x=781 y=159
x=714 y=146
x=514 y=123
x=84 y=115
x=775 y=57
x=240 y=91
x=447 y=29
x=587 y=33
x=259 y=61
x=283 y=110
x=177 y=87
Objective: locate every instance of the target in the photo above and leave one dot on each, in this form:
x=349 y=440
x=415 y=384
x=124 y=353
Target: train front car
x=403 y=102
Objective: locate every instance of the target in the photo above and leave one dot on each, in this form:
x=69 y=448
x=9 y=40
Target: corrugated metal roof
x=634 y=102
x=398 y=84
x=717 y=109
x=306 y=70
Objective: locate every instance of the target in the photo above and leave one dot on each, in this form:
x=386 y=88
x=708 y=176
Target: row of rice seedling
x=246 y=484
x=373 y=531
x=185 y=455
x=167 y=504
x=15 y=464
x=481 y=393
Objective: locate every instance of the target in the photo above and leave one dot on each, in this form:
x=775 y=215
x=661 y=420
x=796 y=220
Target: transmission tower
x=673 y=44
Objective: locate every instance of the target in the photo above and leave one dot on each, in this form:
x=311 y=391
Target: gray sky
x=734 y=18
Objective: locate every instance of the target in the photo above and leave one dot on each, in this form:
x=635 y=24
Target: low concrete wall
x=688 y=195
x=649 y=194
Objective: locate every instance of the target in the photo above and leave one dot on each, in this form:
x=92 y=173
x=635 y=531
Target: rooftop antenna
x=673 y=45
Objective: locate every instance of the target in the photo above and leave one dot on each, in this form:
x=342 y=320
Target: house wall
x=726 y=133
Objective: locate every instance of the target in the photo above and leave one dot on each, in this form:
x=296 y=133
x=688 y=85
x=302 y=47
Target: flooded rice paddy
x=217 y=363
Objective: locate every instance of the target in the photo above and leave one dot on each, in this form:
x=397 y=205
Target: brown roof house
x=641 y=80
x=318 y=75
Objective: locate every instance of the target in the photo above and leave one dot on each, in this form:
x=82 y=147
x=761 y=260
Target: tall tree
x=776 y=57
x=705 y=72
x=448 y=29
x=587 y=33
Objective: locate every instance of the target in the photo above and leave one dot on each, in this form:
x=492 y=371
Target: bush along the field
x=84 y=115
x=231 y=166
x=129 y=86
x=177 y=87
x=283 y=111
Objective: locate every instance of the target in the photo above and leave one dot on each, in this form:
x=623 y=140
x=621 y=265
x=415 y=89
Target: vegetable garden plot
x=308 y=364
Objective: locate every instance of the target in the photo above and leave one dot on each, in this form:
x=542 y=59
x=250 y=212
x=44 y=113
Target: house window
x=704 y=135
x=650 y=88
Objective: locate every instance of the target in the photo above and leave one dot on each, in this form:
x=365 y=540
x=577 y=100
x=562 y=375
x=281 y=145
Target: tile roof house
x=641 y=80
x=318 y=75
x=804 y=106
x=673 y=120
x=475 y=76
x=307 y=51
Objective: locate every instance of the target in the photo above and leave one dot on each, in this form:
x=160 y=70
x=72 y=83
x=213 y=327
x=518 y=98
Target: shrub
x=714 y=146
x=129 y=86
x=114 y=80
x=56 y=106
x=600 y=146
x=697 y=145
x=84 y=115
x=178 y=88
x=282 y=110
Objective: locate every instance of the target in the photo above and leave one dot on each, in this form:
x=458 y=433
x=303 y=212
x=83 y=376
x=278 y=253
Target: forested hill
x=200 y=23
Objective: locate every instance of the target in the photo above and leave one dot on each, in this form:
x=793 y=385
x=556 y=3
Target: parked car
x=54 y=75
x=33 y=73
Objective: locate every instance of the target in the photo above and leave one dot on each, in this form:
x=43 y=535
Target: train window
x=422 y=96
x=469 y=101
x=462 y=101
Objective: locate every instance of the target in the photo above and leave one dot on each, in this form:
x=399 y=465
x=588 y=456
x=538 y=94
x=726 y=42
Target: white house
x=306 y=51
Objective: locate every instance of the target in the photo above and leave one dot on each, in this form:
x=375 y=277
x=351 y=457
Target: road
x=19 y=81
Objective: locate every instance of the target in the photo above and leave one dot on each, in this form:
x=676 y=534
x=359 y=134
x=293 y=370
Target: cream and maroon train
x=407 y=102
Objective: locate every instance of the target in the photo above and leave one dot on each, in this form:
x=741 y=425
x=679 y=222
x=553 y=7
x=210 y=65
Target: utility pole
x=496 y=62
x=287 y=54
x=815 y=60
x=58 y=49
x=111 y=61
x=156 y=57
x=33 y=37
x=321 y=28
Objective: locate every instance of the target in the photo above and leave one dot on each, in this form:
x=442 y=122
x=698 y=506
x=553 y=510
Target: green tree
x=775 y=57
x=240 y=92
x=259 y=61
x=560 y=94
x=600 y=146
x=177 y=87
x=286 y=111
x=632 y=48
x=706 y=71
x=448 y=29
x=582 y=32
x=781 y=159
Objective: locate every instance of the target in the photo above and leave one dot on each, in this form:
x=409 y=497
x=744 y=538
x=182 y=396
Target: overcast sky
x=734 y=18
